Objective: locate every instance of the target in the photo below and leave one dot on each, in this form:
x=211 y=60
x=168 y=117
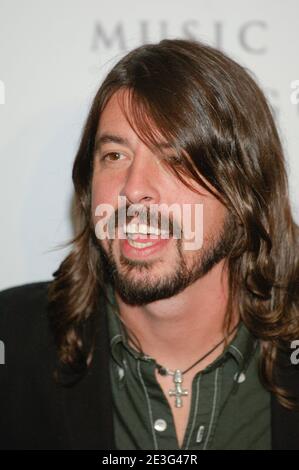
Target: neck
x=178 y=330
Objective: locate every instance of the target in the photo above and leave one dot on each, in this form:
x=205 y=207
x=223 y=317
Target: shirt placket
x=159 y=412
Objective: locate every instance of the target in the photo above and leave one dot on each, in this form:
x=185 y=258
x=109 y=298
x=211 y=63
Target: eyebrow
x=117 y=139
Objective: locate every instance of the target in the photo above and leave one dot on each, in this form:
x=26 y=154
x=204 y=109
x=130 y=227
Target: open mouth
x=142 y=240
x=141 y=243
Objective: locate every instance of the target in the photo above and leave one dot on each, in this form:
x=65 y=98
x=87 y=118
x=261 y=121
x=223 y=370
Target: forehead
x=118 y=116
x=114 y=107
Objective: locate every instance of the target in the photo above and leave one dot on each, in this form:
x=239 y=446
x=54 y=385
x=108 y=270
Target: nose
x=141 y=185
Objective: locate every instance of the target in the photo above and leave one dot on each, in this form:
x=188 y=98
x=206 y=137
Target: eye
x=112 y=156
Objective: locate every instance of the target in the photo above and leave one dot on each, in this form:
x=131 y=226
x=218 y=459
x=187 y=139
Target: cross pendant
x=179 y=392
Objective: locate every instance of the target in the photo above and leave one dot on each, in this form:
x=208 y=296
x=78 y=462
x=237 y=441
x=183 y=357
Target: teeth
x=143 y=229
x=140 y=245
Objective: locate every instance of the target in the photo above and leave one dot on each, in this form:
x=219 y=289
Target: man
x=148 y=338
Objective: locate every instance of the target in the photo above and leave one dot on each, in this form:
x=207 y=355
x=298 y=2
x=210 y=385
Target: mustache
x=141 y=214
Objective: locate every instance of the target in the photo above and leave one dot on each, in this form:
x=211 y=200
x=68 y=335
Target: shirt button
x=200 y=432
x=160 y=425
x=121 y=373
x=240 y=377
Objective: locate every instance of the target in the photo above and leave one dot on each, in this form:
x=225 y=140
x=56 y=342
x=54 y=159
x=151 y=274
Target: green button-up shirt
x=230 y=409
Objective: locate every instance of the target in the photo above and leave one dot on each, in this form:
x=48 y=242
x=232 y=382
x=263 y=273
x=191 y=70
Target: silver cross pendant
x=179 y=392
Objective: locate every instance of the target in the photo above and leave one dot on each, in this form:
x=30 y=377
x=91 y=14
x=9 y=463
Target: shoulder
x=285 y=421
x=24 y=329
x=286 y=369
x=12 y=297
x=24 y=302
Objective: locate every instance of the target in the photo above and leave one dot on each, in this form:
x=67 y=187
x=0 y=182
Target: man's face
x=126 y=167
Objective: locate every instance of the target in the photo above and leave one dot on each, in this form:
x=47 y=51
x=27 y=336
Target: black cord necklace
x=177 y=374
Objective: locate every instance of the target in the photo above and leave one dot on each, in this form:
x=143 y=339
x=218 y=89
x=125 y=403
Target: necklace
x=178 y=375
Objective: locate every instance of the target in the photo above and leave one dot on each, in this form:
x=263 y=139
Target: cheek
x=206 y=215
x=213 y=218
x=99 y=195
x=102 y=192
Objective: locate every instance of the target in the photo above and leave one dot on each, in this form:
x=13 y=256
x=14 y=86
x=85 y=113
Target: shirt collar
x=240 y=348
x=117 y=333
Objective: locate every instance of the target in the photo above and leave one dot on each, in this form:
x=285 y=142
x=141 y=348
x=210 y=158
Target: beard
x=148 y=287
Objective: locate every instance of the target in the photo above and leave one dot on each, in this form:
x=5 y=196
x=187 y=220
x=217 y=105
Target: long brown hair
x=211 y=109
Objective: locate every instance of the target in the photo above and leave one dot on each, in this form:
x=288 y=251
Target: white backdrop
x=53 y=56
